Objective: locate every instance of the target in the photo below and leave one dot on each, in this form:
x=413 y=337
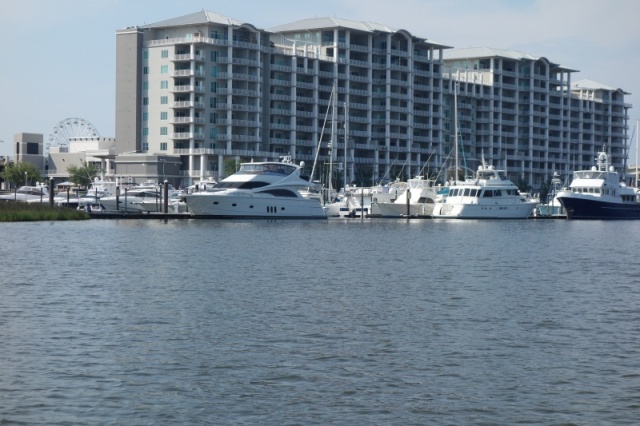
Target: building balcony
x=187 y=136
x=188 y=57
x=187 y=88
x=248 y=62
x=187 y=73
x=188 y=104
x=186 y=120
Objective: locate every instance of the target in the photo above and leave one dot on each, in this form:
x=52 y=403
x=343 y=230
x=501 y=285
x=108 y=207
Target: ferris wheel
x=70 y=128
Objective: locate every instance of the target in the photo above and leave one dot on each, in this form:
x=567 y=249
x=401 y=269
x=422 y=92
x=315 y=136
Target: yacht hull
x=253 y=206
x=483 y=211
x=395 y=210
x=584 y=208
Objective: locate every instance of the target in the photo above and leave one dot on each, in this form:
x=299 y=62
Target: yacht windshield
x=266 y=168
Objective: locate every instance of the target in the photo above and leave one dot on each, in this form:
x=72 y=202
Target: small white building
x=81 y=150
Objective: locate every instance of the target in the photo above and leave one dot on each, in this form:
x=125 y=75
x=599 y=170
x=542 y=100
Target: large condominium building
x=526 y=114
x=203 y=88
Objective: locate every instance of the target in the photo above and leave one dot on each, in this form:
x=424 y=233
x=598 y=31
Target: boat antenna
x=388 y=171
x=426 y=163
x=402 y=168
x=637 y=147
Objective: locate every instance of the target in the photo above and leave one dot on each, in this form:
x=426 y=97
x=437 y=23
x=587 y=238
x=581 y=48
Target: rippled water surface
x=328 y=322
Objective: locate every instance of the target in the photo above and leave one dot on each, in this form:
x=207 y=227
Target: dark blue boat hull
x=580 y=208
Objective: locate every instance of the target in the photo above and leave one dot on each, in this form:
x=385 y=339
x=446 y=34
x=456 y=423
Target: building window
x=145 y=70
x=164 y=69
x=145 y=131
x=164 y=54
x=163 y=115
x=164 y=84
x=32 y=148
x=145 y=146
x=164 y=100
x=145 y=85
x=145 y=116
x=163 y=131
x=163 y=146
x=145 y=101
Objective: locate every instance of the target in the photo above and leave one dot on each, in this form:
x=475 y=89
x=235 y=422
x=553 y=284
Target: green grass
x=16 y=211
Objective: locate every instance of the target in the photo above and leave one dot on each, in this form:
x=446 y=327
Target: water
x=329 y=322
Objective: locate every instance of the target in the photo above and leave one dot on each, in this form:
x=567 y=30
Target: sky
x=58 y=56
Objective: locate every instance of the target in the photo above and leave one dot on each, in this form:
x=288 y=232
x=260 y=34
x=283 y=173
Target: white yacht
x=145 y=197
x=490 y=195
x=175 y=197
x=338 y=207
x=99 y=189
x=258 y=190
x=418 y=200
x=28 y=193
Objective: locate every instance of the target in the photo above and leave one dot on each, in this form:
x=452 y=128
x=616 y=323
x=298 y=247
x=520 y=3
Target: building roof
x=330 y=23
x=197 y=18
x=488 y=52
x=593 y=85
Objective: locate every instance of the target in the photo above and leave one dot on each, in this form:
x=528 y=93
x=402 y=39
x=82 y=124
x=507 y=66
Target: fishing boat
x=267 y=189
x=552 y=207
x=417 y=200
x=598 y=193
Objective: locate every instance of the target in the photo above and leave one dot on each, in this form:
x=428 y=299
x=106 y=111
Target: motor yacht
x=258 y=190
x=490 y=195
x=598 y=193
x=28 y=193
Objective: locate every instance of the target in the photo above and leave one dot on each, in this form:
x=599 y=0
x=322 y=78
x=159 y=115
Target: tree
x=22 y=173
x=82 y=175
x=545 y=188
x=231 y=165
x=522 y=185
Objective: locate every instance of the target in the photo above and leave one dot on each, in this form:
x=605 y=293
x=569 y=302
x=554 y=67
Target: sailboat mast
x=346 y=140
x=334 y=146
x=455 y=124
x=637 y=147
